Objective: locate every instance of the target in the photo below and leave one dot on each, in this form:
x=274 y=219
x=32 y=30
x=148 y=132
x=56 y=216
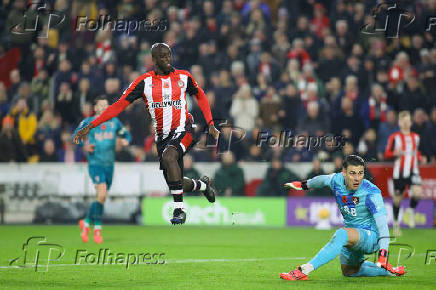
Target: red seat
x=251 y=187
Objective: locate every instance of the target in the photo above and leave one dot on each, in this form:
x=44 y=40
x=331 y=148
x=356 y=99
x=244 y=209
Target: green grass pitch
x=202 y=258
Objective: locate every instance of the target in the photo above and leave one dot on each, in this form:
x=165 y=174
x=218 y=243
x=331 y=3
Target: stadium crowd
x=302 y=67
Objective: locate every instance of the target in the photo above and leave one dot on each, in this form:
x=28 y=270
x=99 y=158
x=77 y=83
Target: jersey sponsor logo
x=166 y=85
x=355 y=200
x=103 y=127
x=181 y=83
x=164 y=104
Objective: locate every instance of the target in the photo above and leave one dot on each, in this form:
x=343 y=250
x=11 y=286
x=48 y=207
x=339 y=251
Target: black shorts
x=401 y=183
x=183 y=142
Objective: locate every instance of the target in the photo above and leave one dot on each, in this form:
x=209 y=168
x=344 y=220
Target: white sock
x=202 y=185
x=97 y=227
x=179 y=205
x=177 y=191
x=306 y=268
x=86 y=224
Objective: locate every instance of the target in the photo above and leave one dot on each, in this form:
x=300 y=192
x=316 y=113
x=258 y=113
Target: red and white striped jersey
x=165 y=99
x=407 y=163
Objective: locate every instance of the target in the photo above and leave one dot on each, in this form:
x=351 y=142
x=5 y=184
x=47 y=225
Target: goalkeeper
x=365 y=226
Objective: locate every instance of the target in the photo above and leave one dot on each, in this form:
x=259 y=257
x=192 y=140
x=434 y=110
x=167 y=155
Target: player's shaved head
x=157 y=47
x=161 y=56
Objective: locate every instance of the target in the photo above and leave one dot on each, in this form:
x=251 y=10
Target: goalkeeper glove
x=382 y=261
x=297 y=185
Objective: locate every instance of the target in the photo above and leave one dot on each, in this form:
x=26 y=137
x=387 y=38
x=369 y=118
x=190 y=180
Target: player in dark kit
x=164 y=91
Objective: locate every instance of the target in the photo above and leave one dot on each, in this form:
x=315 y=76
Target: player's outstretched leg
x=204 y=185
x=326 y=254
x=173 y=176
x=369 y=269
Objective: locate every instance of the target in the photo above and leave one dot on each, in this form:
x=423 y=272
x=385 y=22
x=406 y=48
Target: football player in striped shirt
x=403 y=147
x=164 y=91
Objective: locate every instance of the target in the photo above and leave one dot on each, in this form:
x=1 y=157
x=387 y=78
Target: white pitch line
x=184 y=261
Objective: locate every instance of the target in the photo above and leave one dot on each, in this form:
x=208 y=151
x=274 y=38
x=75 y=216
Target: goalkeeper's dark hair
x=100 y=98
x=354 y=160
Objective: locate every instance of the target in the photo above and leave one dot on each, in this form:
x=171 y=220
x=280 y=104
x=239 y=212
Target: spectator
x=385 y=130
x=290 y=109
x=419 y=122
x=430 y=138
x=368 y=146
x=49 y=152
x=229 y=178
x=245 y=109
x=349 y=121
x=67 y=105
x=188 y=170
x=378 y=107
x=11 y=146
x=69 y=153
x=317 y=170
x=275 y=177
x=313 y=124
x=269 y=108
x=26 y=123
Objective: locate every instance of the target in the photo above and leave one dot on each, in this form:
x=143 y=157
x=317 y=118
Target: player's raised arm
x=316 y=182
x=132 y=93
x=194 y=90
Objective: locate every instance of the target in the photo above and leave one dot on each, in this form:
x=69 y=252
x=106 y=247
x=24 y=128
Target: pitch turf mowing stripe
x=184 y=261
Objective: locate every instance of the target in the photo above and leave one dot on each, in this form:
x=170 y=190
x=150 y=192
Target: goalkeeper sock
x=331 y=250
x=98 y=214
x=369 y=269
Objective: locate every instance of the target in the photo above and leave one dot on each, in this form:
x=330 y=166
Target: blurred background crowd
x=302 y=67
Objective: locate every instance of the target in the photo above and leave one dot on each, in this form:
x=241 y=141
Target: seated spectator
x=430 y=138
x=69 y=153
x=49 y=152
x=314 y=123
x=122 y=152
x=368 y=146
x=11 y=146
x=26 y=124
x=229 y=178
x=275 y=177
x=385 y=130
x=244 y=108
x=188 y=170
x=317 y=170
